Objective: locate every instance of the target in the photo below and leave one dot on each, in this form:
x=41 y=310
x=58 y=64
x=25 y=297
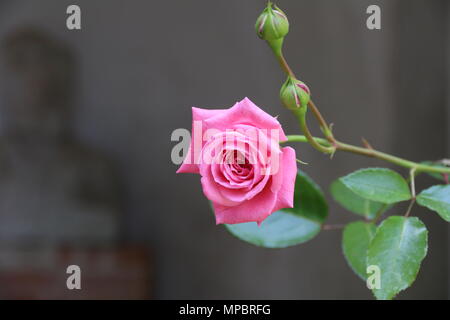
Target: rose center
x=238 y=164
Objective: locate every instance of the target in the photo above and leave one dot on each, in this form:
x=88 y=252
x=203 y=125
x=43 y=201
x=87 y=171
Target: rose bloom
x=244 y=172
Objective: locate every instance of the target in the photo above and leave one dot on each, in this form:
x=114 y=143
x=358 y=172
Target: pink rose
x=245 y=173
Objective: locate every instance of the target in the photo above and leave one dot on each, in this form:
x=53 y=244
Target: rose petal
x=285 y=195
x=211 y=191
x=245 y=112
x=256 y=209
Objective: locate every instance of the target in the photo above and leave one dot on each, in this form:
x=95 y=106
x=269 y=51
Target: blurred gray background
x=141 y=65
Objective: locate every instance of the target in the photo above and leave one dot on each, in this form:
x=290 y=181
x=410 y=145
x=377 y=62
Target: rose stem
x=373 y=154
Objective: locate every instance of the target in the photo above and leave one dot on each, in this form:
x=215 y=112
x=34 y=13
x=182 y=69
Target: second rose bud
x=294 y=94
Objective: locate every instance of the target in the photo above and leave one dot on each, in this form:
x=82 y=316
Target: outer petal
x=189 y=165
x=203 y=114
x=211 y=190
x=256 y=209
x=245 y=112
x=285 y=195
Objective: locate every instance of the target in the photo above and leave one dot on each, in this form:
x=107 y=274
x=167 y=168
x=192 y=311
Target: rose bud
x=294 y=94
x=272 y=24
x=245 y=173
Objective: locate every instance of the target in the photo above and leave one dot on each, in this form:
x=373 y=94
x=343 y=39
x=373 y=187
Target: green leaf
x=398 y=248
x=355 y=242
x=437 y=198
x=288 y=227
x=354 y=203
x=378 y=184
x=435 y=175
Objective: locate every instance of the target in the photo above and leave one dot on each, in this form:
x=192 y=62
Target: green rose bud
x=294 y=94
x=272 y=24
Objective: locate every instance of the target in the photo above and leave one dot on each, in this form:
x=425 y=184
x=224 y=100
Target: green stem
x=412 y=175
x=322 y=123
x=412 y=182
x=373 y=154
x=379 y=213
x=301 y=115
x=276 y=46
x=300 y=138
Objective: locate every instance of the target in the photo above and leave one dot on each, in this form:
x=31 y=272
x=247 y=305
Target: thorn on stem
x=332 y=153
x=331 y=126
x=366 y=143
